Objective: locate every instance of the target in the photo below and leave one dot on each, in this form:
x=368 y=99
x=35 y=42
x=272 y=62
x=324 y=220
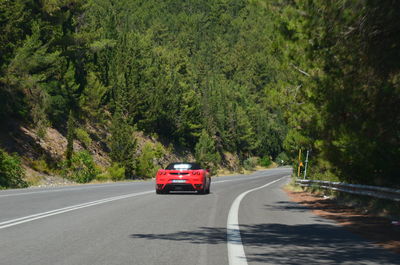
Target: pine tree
x=205 y=152
x=70 y=138
x=122 y=143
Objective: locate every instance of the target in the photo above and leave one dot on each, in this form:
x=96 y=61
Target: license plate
x=178 y=180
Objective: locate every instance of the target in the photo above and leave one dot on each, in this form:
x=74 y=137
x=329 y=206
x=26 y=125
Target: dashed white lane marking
x=246 y=178
x=236 y=253
x=37 y=216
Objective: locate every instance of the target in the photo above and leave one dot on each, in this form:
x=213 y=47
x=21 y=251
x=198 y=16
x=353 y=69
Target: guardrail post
x=366 y=190
x=305 y=167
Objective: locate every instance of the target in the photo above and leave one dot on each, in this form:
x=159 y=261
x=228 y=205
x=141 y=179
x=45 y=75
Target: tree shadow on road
x=372 y=227
x=289 y=244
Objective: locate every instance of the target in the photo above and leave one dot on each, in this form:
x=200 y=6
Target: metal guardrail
x=372 y=191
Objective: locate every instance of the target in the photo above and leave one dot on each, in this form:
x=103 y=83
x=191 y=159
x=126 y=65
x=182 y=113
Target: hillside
x=86 y=84
x=42 y=157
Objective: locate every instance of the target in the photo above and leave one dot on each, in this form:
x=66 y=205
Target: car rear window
x=183 y=166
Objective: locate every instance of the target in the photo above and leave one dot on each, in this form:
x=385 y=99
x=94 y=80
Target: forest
x=254 y=78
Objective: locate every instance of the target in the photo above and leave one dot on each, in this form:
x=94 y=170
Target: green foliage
x=11 y=171
x=39 y=52
x=83 y=137
x=103 y=177
x=353 y=88
x=266 y=161
x=24 y=71
x=116 y=172
x=70 y=137
x=182 y=61
x=171 y=74
x=206 y=153
x=41 y=166
x=259 y=77
x=81 y=168
x=123 y=143
x=251 y=163
x=282 y=159
x=146 y=165
x=92 y=97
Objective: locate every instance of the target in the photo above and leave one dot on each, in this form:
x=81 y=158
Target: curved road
x=127 y=223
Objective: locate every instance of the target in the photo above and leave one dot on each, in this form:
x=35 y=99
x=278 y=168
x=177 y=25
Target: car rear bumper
x=180 y=187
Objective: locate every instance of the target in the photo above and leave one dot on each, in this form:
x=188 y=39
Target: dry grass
x=34 y=179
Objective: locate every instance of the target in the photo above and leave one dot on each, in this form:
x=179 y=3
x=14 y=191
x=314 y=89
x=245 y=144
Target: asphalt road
x=127 y=223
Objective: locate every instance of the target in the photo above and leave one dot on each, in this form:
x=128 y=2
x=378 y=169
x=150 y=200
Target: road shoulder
x=377 y=229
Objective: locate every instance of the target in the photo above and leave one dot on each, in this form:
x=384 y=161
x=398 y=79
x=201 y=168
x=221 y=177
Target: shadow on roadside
x=289 y=244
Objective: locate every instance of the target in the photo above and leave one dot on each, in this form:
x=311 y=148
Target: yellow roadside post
x=300 y=164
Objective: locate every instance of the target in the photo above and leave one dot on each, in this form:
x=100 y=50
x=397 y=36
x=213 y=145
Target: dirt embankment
x=40 y=154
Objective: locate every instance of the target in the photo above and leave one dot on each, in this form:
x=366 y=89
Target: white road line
x=236 y=253
x=37 y=216
x=229 y=180
x=246 y=178
x=65 y=189
x=222 y=181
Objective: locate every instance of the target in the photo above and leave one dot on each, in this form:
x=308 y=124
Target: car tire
x=207 y=191
x=159 y=192
x=202 y=191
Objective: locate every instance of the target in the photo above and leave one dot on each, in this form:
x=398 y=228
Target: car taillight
x=162 y=173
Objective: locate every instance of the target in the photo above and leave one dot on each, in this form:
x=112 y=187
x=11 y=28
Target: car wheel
x=202 y=191
x=159 y=192
x=208 y=189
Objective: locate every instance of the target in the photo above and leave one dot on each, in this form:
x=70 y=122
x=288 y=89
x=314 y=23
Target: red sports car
x=183 y=177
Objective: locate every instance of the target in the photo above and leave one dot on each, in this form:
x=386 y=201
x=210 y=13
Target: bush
x=83 y=137
x=282 y=159
x=82 y=168
x=145 y=164
x=265 y=161
x=41 y=166
x=103 y=177
x=116 y=172
x=250 y=163
x=11 y=171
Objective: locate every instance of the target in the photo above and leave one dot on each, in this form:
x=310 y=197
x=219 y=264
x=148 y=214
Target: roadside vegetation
x=231 y=84
x=11 y=171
